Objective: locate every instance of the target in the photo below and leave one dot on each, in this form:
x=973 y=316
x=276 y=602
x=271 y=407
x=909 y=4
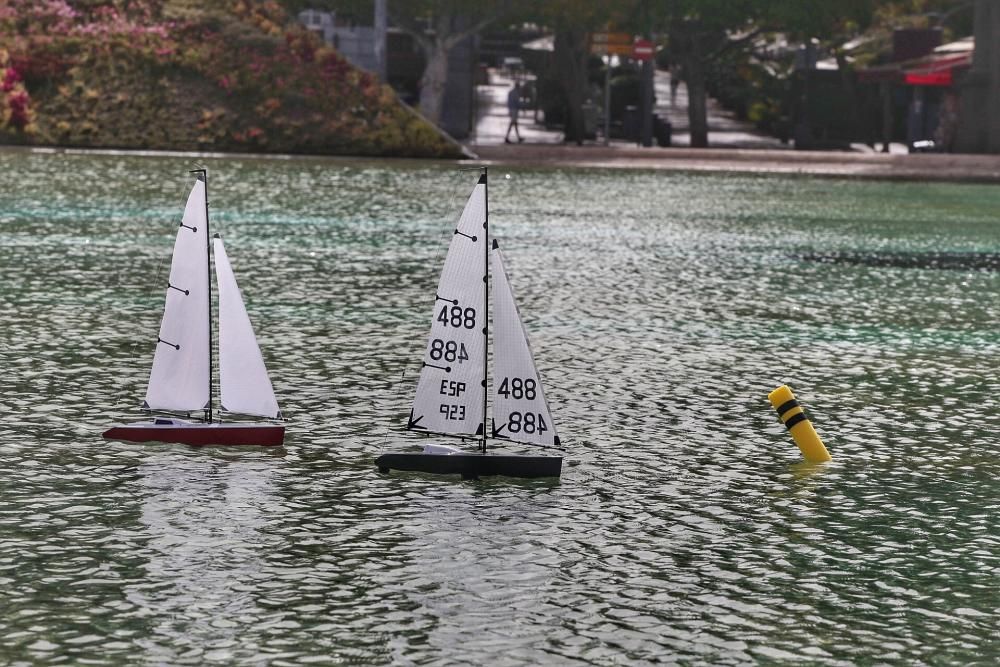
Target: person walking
x=514 y=108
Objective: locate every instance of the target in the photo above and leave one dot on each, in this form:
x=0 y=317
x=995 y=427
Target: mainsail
x=179 y=379
x=520 y=411
x=449 y=396
x=244 y=385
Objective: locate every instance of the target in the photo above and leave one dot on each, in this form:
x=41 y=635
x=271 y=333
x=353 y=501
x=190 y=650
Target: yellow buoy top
x=781 y=395
x=799 y=427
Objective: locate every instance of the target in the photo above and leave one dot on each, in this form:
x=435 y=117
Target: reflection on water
x=206 y=517
x=662 y=310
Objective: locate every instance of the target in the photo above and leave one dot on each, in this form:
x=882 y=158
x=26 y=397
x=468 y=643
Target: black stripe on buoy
x=786 y=406
x=796 y=419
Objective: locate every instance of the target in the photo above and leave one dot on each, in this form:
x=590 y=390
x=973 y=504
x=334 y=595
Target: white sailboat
x=451 y=392
x=181 y=376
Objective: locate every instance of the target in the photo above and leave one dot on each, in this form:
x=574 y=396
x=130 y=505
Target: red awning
x=935 y=70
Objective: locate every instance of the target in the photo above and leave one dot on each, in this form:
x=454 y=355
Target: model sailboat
x=181 y=377
x=451 y=391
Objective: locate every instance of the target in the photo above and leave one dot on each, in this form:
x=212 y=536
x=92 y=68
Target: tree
x=979 y=124
x=572 y=21
x=437 y=26
x=701 y=31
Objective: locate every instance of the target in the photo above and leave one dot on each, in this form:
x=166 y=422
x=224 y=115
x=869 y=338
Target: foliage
x=198 y=74
x=756 y=88
x=16 y=113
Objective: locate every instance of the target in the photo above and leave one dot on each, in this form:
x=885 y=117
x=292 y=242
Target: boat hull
x=472 y=465
x=200 y=435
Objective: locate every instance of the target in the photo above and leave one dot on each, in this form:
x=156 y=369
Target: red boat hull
x=200 y=435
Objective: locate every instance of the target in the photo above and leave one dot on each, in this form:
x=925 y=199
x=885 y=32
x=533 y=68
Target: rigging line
x=167 y=342
x=446 y=369
x=395 y=398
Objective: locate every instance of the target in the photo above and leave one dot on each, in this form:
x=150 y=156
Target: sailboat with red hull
x=180 y=381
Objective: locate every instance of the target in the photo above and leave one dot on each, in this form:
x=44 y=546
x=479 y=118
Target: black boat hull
x=472 y=465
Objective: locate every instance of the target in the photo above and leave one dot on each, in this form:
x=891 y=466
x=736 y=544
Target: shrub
x=188 y=74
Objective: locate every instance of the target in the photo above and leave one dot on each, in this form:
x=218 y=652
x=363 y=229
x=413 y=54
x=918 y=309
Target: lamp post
x=381 y=28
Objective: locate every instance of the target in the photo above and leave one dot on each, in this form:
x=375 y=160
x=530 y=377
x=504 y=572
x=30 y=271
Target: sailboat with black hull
x=181 y=377
x=451 y=392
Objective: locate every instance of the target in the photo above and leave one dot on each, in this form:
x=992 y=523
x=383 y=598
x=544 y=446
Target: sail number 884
x=526 y=422
x=448 y=350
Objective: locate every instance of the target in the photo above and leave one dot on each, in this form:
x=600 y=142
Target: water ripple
x=662 y=309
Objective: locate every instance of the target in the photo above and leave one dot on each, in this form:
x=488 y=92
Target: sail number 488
x=518 y=388
x=457 y=317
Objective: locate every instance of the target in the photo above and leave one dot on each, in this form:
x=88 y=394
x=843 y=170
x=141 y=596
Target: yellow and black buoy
x=793 y=416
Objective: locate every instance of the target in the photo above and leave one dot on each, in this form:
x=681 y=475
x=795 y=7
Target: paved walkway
x=725 y=130
x=492 y=117
x=908 y=167
x=736 y=147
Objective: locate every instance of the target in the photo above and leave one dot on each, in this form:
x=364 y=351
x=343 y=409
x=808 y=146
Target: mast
x=486 y=300
x=203 y=177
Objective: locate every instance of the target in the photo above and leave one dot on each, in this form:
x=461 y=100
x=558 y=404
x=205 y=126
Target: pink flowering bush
x=15 y=104
x=218 y=74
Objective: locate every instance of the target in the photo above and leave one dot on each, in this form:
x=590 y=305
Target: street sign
x=643 y=50
x=611 y=43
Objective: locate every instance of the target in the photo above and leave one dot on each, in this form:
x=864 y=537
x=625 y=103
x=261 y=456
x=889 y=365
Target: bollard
x=794 y=418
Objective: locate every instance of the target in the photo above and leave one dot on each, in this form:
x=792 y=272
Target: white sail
x=520 y=411
x=449 y=396
x=179 y=379
x=244 y=385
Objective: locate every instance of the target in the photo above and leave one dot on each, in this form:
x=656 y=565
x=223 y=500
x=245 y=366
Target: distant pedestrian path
x=492 y=117
x=725 y=130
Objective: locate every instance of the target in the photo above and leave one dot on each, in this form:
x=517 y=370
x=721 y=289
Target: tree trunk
x=434 y=81
x=450 y=28
x=570 y=60
x=859 y=129
x=694 y=76
x=993 y=108
x=687 y=48
x=980 y=87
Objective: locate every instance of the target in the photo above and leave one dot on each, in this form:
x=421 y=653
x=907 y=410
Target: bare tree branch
x=728 y=44
x=412 y=27
x=478 y=26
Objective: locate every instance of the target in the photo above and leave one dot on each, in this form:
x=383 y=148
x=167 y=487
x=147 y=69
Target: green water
x=661 y=307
